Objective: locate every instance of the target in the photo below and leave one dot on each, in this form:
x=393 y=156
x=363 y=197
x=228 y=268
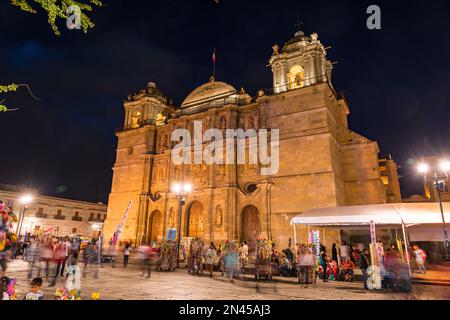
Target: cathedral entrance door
x=156 y=226
x=251 y=226
x=195 y=220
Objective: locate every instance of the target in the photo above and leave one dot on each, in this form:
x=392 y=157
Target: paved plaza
x=127 y=284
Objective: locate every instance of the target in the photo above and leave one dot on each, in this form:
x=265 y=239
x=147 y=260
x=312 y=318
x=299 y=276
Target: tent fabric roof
x=387 y=214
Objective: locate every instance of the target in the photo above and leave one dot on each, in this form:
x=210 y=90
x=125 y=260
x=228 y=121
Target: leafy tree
x=55 y=9
x=58 y=9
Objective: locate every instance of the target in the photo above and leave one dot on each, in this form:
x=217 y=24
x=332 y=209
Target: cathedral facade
x=322 y=163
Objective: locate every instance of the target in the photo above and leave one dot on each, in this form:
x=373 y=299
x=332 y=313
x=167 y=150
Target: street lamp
x=24 y=200
x=438 y=175
x=181 y=191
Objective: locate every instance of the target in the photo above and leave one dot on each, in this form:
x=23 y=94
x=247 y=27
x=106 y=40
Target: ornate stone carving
x=199 y=173
x=219 y=216
x=223 y=122
x=164 y=141
x=177 y=174
x=160 y=174
x=160 y=119
x=171 y=220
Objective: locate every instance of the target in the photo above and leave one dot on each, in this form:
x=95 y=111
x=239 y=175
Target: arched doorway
x=156 y=227
x=251 y=226
x=196 y=220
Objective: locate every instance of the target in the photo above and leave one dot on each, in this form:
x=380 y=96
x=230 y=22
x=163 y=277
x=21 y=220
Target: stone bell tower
x=300 y=63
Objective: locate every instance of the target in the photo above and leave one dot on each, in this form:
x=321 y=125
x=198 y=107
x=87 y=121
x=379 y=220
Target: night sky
x=397 y=79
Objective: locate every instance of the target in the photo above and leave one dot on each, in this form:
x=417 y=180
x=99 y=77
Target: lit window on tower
x=296 y=77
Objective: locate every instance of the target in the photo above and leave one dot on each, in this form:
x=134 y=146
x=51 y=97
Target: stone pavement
x=126 y=284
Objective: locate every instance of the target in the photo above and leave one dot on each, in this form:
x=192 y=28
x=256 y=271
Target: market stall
x=399 y=214
x=168 y=256
x=195 y=260
x=263 y=259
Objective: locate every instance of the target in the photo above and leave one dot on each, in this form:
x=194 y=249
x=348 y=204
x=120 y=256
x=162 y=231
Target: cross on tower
x=299 y=23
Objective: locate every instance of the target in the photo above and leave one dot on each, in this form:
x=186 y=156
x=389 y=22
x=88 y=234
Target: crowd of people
x=51 y=258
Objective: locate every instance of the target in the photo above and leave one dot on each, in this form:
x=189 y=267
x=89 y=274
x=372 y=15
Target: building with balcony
x=52 y=215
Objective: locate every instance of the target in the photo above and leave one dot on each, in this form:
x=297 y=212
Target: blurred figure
x=364 y=265
x=231 y=260
x=306 y=261
x=33 y=255
x=46 y=256
x=73 y=276
x=344 y=251
x=65 y=244
x=210 y=257
x=144 y=255
x=243 y=255
x=58 y=258
x=324 y=264
x=126 y=254
x=334 y=256
x=25 y=248
x=90 y=257
x=421 y=257
x=3 y=262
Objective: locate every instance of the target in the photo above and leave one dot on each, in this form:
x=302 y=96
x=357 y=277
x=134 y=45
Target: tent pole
x=406 y=248
x=295 y=236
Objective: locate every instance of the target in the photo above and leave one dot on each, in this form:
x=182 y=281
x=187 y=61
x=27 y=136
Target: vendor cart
x=263 y=260
x=168 y=256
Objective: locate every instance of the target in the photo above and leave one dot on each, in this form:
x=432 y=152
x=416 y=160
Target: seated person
x=347 y=267
x=332 y=270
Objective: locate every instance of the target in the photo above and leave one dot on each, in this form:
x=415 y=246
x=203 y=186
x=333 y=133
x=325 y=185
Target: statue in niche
x=223 y=123
x=219 y=216
x=160 y=119
x=171 y=221
x=177 y=174
x=160 y=174
x=221 y=171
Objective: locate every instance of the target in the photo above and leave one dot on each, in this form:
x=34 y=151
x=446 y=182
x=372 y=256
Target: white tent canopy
x=385 y=214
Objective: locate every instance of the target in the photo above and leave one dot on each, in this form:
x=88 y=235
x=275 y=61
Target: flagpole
x=214 y=63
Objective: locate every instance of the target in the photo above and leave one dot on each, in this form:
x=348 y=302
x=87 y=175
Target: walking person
x=65 y=247
x=58 y=258
x=33 y=255
x=364 y=265
x=87 y=254
x=421 y=257
x=243 y=256
x=324 y=263
x=334 y=255
x=126 y=254
x=211 y=254
x=144 y=255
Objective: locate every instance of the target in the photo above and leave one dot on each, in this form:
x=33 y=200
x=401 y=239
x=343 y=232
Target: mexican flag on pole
x=120 y=227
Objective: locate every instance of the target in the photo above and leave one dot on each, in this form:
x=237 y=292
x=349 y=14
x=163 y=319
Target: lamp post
x=25 y=199
x=181 y=191
x=438 y=176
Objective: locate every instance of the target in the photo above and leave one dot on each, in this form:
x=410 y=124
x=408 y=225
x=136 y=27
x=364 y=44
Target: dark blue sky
x=397 y=79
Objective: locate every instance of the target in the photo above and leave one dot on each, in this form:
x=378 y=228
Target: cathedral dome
x=210 y=91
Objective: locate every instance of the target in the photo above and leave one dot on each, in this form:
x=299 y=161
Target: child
x=35 y=292
x=73 y=276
